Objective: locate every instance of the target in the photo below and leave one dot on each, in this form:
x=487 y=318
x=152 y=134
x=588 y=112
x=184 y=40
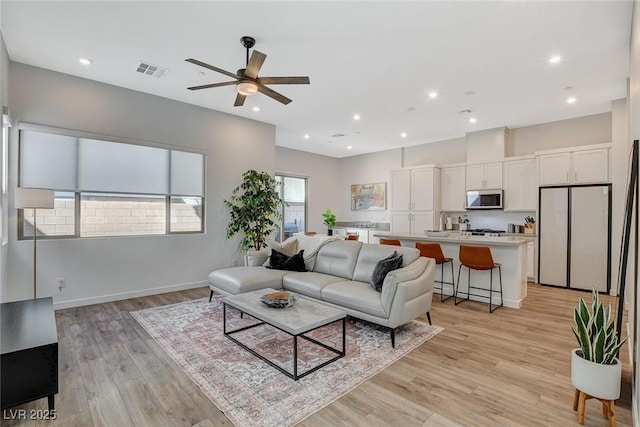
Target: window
x=105 y=188
x=293 y=191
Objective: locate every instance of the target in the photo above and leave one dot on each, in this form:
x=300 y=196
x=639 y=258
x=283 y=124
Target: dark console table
x=29 y=345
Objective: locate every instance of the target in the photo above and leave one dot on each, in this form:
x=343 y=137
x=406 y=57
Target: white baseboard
x=126 y=295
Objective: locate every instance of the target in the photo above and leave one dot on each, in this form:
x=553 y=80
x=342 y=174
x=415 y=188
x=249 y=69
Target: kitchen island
x=510 y=251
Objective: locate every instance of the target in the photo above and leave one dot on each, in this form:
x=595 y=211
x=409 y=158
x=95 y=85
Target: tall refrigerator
x=574 y=231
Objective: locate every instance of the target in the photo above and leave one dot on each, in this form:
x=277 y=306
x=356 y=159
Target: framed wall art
x=369 y=197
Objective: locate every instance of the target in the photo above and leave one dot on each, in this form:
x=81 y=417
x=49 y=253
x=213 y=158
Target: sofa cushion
x=311 y=245
x=384 y=266
x=308 y=283
x=289 y=247
x=338 y=258
x=236 y=280
x=371 y=254
x=280 y=261
x=354 y=295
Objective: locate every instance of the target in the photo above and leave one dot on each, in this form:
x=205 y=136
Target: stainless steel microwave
x=484 y=199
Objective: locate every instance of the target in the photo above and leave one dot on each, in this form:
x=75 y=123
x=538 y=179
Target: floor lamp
x=34 y=198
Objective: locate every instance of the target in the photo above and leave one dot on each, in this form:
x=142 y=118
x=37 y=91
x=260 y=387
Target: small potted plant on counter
x=595 y=368
x=329 y=221
x=254 y=205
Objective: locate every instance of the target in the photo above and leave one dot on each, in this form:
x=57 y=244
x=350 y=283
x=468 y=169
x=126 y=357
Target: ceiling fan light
x=248 y=88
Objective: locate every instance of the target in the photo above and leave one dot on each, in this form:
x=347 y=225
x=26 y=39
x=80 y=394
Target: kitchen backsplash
x=493 y=219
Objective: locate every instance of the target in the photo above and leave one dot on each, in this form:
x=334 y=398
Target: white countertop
x=456 y=238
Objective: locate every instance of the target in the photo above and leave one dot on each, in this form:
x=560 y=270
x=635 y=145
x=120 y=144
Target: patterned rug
x=248 y=390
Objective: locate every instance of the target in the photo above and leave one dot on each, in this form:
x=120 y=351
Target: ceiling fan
x=246 y=79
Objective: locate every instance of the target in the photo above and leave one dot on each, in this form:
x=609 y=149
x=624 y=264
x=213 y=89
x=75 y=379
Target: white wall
x=594 y=129
x=442 y=152
x=100 y=269
x=634 y=133
x=4 y=101
x=323 y=180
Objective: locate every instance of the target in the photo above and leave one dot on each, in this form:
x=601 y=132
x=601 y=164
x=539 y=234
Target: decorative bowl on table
x=279 y=299
x=436 y=233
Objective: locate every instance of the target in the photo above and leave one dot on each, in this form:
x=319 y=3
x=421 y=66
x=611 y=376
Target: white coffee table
x=304 y=316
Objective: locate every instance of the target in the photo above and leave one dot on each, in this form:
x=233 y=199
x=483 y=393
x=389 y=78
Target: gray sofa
x=339 y=275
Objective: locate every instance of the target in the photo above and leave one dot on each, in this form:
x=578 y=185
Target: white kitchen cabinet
x=412 y=222
x=583 y=166
x=591 y=166
x=414 y=189
x=400 y=190
x=520 y=185
x=484 y=176
x=452 y=189
x=554 y=168
x=531 y=254
x=415 y=199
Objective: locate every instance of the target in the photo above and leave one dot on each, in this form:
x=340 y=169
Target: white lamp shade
x=29 y=198
x=247 y=88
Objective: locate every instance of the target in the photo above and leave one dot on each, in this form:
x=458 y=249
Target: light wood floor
x=511 y=367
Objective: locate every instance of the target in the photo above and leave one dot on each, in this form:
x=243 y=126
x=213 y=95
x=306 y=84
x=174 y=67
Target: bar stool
x=353 y=236
x=393 y=242
x=478 y=258
x=433 y=250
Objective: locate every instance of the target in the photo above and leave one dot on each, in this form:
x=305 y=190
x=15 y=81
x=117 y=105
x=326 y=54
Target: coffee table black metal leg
x=295 y=357
x=224 y=319
x=344 y=336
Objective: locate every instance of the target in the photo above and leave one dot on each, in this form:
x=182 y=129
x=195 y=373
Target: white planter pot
x=255 y=259
x=595 y=379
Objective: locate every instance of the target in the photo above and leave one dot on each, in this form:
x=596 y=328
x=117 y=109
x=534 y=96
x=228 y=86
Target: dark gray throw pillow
x=280 y=261
x=384 y=266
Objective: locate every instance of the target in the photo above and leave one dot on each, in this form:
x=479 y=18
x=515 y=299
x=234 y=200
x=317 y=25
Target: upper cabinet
x=577 y=166
x=414 y=189
x=520 y=185
x=484 y=175
x=452 y=188
x=415 y=199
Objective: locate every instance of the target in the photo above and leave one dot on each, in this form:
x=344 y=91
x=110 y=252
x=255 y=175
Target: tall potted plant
x=254 y=206
x=595 y=367
x=329 y=221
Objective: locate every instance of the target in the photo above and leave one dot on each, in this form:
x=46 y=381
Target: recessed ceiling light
x=349 y=147
x=356 y=117
x=473 y=120
x=433 y=94
x=256 y=108
x=306 y=136
x=403 y=134
x=555 y=59
x=85 y=61
x=571 y=100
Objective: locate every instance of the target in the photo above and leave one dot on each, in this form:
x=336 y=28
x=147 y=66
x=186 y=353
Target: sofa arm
x=412 y=297
x=405 y=274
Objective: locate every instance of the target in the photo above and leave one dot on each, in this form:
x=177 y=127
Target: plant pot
x=255 y=259
x=595 y=379
x=330 y=232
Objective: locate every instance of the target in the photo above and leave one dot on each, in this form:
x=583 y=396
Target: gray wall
x=100 y=269
x=4 y=98
x=323 y=180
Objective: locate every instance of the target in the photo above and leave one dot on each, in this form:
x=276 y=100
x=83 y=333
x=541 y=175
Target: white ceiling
x=377 y=59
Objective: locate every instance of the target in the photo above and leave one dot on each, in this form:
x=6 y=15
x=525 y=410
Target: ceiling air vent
x=151 y=70
x=337 y=135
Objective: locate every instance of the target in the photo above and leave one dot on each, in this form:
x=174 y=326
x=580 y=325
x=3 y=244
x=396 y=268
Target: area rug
x=248 y=390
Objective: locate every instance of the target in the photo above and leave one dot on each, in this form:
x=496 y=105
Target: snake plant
x=596 y=331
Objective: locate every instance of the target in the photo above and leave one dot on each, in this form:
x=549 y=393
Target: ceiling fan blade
x=284 y=80
x=212 y=85
x=273 y=94
x=239 y=100
x=254 y=65
x=211 y=67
